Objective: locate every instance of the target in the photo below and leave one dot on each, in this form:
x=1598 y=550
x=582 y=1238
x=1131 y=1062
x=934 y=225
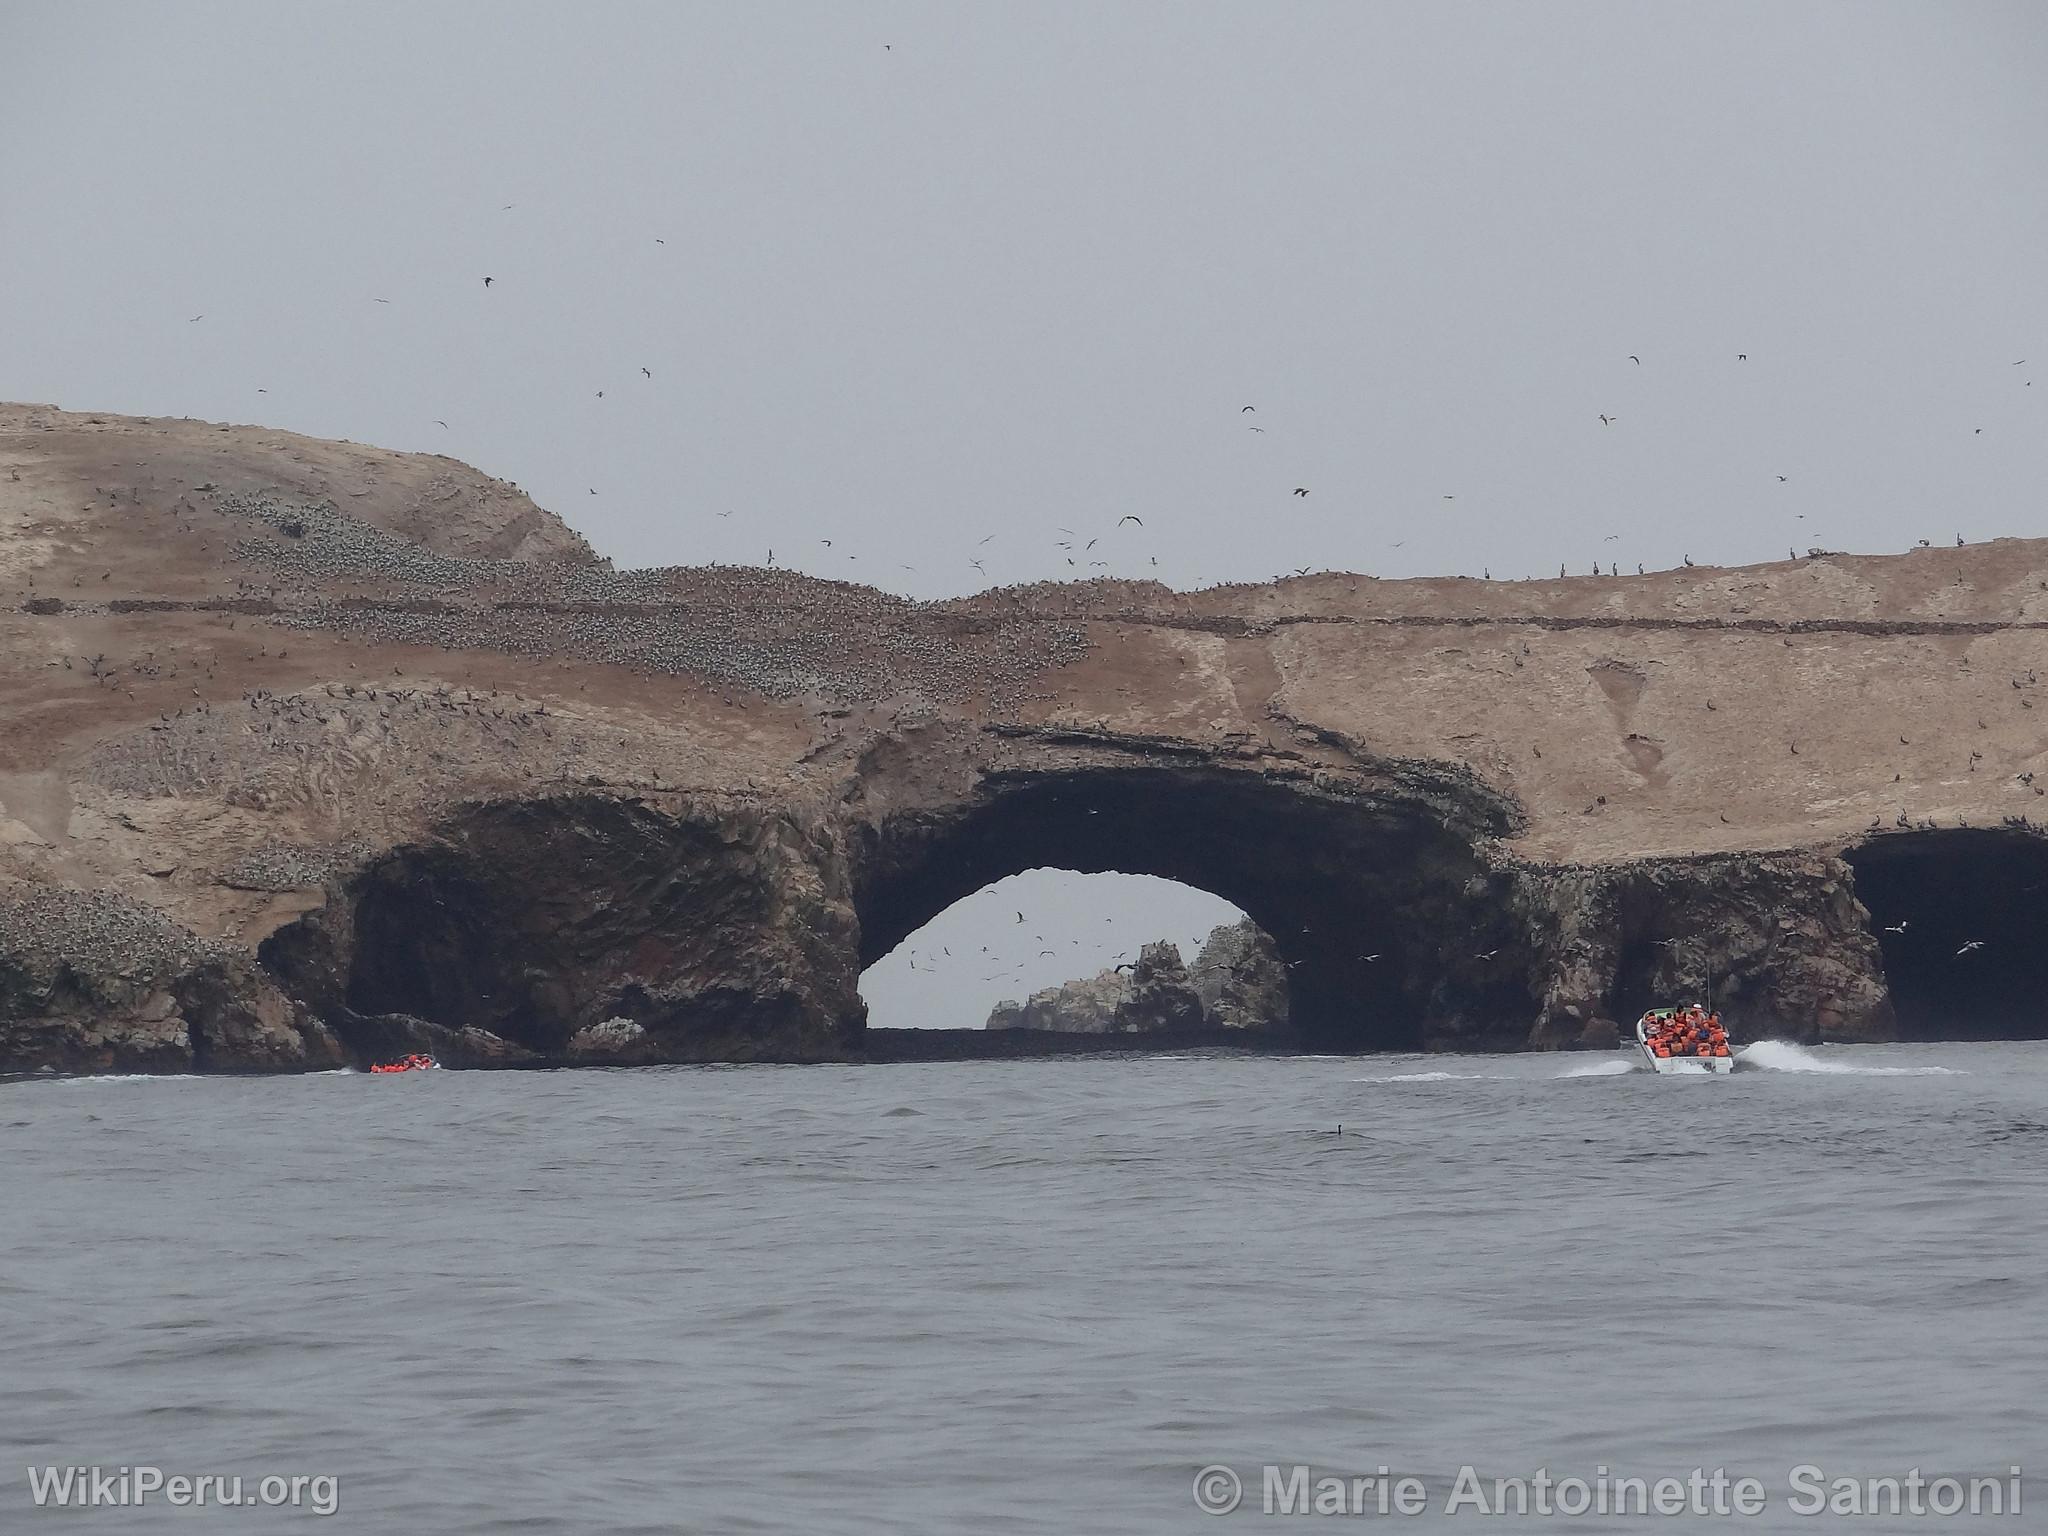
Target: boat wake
x=1600 y=1069
x=1783 y=1056
x=1425 y=1077
x=123 y=1077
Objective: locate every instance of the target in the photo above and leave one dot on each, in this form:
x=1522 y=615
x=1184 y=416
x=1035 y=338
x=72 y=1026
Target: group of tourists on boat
x=1687 y=1031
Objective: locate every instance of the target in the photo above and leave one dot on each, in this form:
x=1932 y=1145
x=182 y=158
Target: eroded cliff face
x=519 y=925
x=96 y=984
x=316 y=754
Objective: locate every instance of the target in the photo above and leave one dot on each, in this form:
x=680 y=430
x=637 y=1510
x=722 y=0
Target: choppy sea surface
x=1026 y=1296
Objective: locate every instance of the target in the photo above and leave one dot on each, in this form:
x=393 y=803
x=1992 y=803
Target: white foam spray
x=1599 y=1069
x=1425 y=1077
x=1783 y=1056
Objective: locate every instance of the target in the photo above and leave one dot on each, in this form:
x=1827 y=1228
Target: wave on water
x=1783 y=1056
x=1600 y=1069
x=128 y=1077
x=1425 y=1077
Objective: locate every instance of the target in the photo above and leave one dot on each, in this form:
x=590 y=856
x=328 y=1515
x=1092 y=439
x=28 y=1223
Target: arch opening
x=1394 y=934
x=956 y=970
x=1957 y=914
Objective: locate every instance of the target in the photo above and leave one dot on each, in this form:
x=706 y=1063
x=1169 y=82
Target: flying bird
x=1781 y=479
x=649 y=375
x=1972 y=944
x=1301 y=490
x=1742 y=357
x=1247 y=408
x=487 y=282
x=380 y=301
x=1130 y=517
x=1636 y=360
x=1606 y=420
x=1901 y=928
x=440 y=423
x=1255 y=429
x=195 y=319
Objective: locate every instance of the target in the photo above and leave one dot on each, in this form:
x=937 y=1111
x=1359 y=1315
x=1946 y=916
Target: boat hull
x=1681 y=1066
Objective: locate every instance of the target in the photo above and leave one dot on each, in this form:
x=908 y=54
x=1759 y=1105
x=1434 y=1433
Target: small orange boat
x=1687 y=1039
x=417 y=1062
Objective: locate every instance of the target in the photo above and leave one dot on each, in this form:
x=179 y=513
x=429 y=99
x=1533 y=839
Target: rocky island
x=314 y=753
x=1238 y=981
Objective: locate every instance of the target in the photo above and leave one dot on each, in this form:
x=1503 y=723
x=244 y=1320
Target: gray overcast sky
x=934 y=271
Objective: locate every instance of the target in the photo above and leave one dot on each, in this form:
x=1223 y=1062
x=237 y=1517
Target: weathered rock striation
x=313 y=752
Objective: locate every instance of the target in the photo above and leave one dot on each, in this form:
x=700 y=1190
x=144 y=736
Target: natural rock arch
x=1380 y=903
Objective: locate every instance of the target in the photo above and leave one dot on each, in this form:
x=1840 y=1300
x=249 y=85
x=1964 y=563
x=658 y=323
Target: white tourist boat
x=1682 y=1040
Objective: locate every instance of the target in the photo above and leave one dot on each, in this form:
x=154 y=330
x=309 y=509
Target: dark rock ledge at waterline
x=315 y=754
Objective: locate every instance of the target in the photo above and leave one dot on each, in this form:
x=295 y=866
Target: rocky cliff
x=312 y=749
x=1240 y=978
x=1236 y=982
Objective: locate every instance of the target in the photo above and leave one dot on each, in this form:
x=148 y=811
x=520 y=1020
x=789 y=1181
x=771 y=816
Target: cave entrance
x=1640 y=981
x=1958 y=914
x=1394 y=933
x=953 y=971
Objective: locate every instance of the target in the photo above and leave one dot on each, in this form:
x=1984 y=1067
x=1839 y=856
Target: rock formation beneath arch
x=1236 y=982
x=313 y=751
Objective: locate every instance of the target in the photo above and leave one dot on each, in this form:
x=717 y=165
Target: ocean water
x=1025 y=1296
